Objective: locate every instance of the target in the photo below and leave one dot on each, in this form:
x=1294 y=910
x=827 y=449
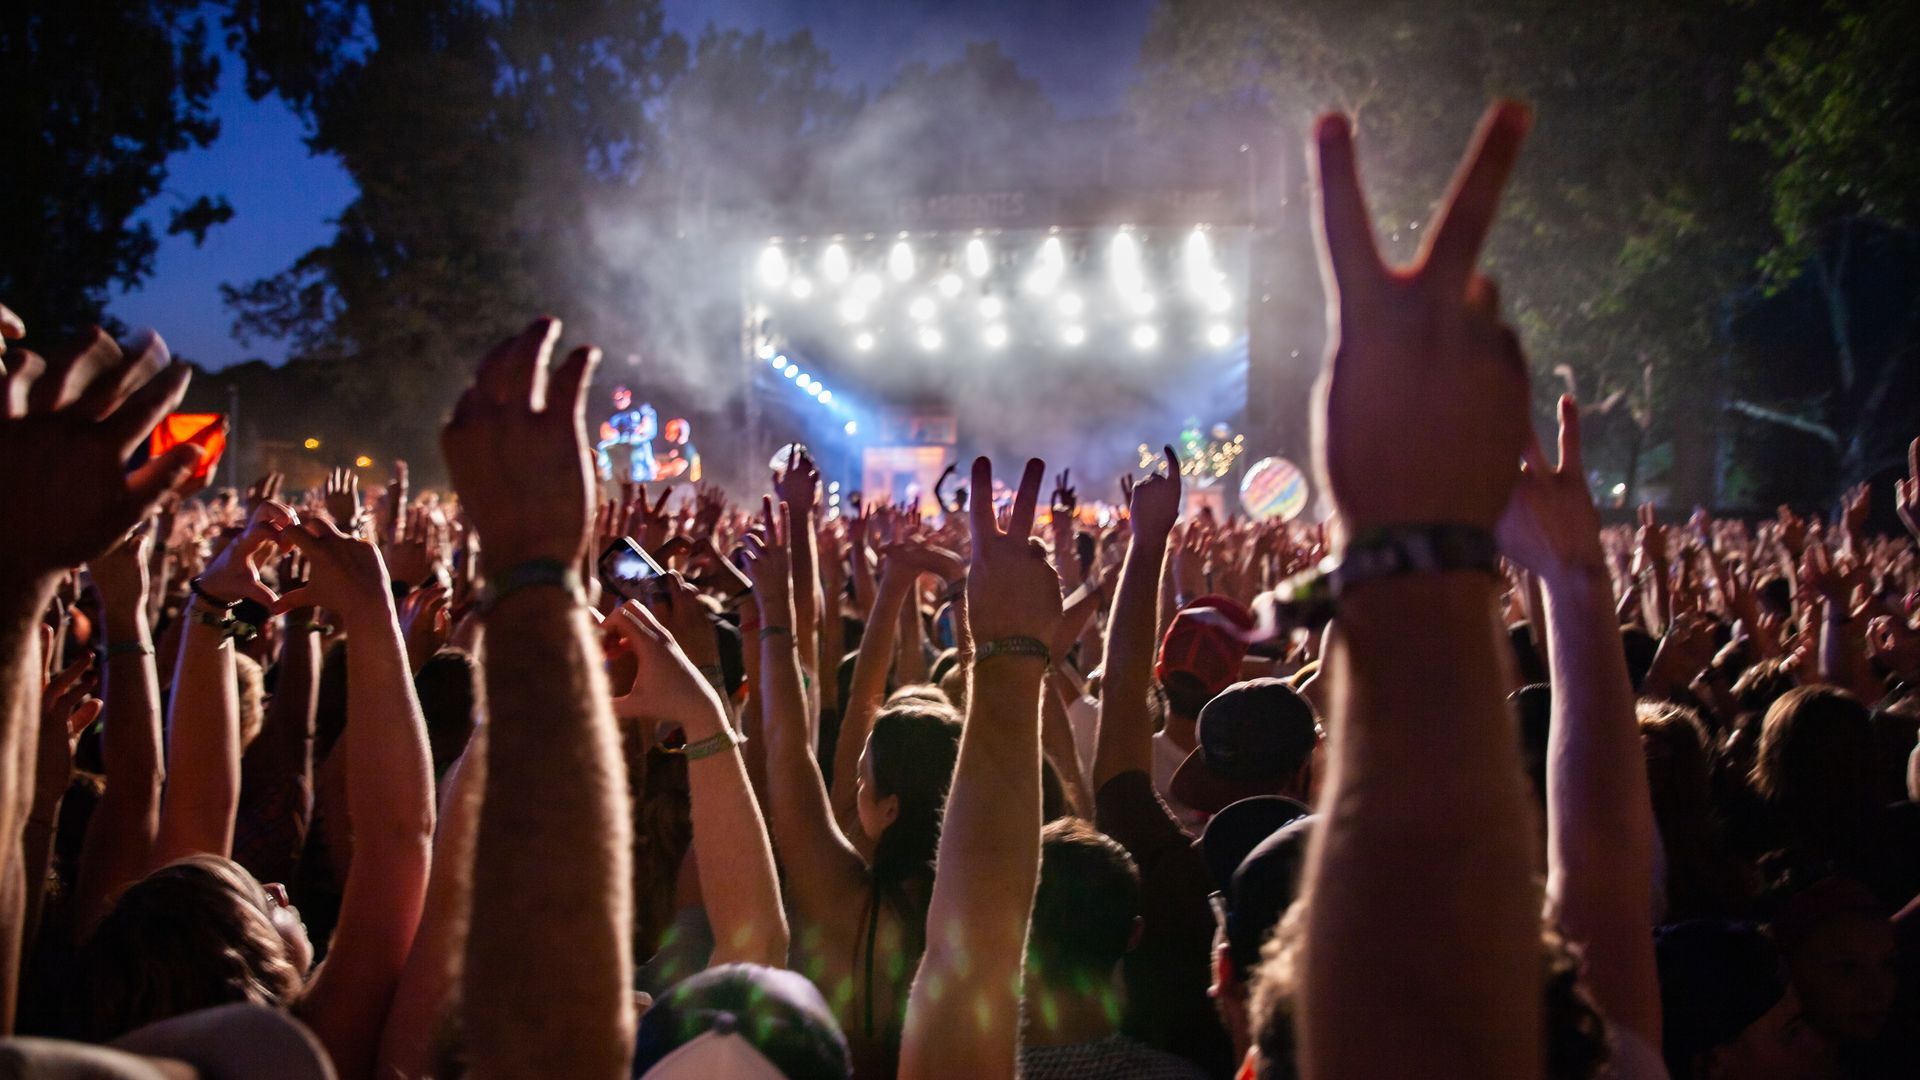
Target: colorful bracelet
x=1018 y=645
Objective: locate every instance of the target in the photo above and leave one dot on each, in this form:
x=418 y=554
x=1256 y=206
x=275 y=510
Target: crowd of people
x=1457 y=783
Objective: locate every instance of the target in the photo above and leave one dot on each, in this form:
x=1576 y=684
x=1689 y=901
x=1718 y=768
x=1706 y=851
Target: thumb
x=298 y=598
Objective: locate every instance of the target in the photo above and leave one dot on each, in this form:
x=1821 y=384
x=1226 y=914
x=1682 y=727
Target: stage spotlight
x=1219 y=301
x=1071 y=304
x=995 y=336
x=802 y=288
x=921 y=309
x=977 y=262
x=1145 y=337
x=949 y=285
x=765 y=351
x=853 y=310
x=833 y=488
x=814 y=390
x=851 y=428
x=1143 y=304
x=1051 y=264
x=900 y=261
x=991 y=307
x=792 y=370
x=805 y=380
x=863 y=341
x=930 y=338
x=1218 y=336
x=834 y=265
x=867 y=288
x=363 y=461
x=826 y=397
x=779 y=361
x=1074 y=335
x=773 y=266
x=1201 y=276
x=1123 y=257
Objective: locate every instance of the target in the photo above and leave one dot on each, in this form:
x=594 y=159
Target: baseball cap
x=231 y=1042
x=1207 y=639
x=1238 y=828
x=1252 y=739
x=1263 y=886
x=741 y=1020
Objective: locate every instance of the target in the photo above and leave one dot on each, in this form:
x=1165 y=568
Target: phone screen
x=185 y=427
x=629 y=571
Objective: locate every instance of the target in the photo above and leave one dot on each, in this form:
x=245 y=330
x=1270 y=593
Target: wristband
x=719 y=743
x=210 y=600
x=1308 y=598
x=216 y=618
x=309 y=626
x=128 y=648
x=526 y=575
x=1013 y=646
x=774 y=631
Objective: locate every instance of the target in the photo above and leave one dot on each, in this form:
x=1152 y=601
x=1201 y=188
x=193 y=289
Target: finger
x=1343 y=229
x=1570 y=460
x=169 y=472
x=23 y=370
x=1024 y=501
x=569 y=387
x=143 y=410
x=82 y=717
x=72 y=369
x=514 y=373
x=301 y=597
x=980 y=507
x=1532 y=456
x=1913 y=459
x=1173 y=463
x=1453 y=245
x=11 y=328
x=145 y=357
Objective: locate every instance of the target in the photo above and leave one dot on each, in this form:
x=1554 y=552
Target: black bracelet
x=1018 y=645
x=212 y=601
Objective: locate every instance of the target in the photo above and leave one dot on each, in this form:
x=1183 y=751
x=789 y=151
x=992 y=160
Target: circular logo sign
x=1273 y=488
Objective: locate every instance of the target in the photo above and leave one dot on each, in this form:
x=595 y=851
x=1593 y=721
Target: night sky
x=283 y=199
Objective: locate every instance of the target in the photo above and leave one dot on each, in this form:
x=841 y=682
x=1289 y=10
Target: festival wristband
x=209 y=599
x=725 y=740
x=1013 y=646
x=774 y=631
x=530 y=574
x=128 y=648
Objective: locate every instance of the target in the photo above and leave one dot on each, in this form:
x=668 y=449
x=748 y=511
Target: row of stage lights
x=808 y=384
x=859 y=291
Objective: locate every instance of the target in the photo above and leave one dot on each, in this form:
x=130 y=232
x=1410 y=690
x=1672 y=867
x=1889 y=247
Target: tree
x=1627 y=216
x=1836 y=103
x=97 y=96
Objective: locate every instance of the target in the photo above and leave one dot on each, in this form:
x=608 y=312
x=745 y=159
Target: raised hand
x=1551 y=526
x=763 y=558
x=920 y=557
x=1906 y=493
x=265 y=489
x=1012 y=591
x=425 y=623
x=1065 y=499
x=799 y=484
x=517 y=450
x=121 y=576
x=234 y=574
x=668 y=686
x=68 y=423
x=343 y=498
x=650 y=525
x=1423 y=404
x=1153 y=504
x=709 y=506
x=345 y=575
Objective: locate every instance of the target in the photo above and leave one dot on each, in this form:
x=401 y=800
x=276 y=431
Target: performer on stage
x=633 y=427
x=680 y=460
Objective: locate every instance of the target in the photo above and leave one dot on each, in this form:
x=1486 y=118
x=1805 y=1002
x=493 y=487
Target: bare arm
x=963 y=1013
x=1126 y=727
x=203 y=746
x=867 y=690
x=544 y=995
x=389 y=778
x=429 y=986
x=276 y=773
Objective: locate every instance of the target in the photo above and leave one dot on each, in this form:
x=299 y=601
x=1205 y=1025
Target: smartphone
x=630 y=571
x=185 y=427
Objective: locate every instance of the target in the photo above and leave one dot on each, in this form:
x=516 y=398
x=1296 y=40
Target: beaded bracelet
x=1018 y=645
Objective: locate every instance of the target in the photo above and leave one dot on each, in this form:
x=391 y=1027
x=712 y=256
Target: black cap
x=1262 y=890
x=1253 y=737
x=1236 y=830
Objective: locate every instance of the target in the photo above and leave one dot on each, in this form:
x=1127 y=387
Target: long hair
x=191 y=935
x=912 y=747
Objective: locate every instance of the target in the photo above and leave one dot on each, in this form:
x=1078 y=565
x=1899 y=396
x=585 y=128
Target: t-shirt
x=1168 y=973
x=1115 y=1056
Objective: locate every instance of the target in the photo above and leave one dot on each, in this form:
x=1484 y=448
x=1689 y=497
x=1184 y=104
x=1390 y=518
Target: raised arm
x=202 y=795
x=276 y=773
x=734 y=858
x=963 y=1014
x=823 y=869
x=389 y=779
x=121 y=832
x=1126 y=726
x=68 y=423
x=545 y=995
x=799 y=488
x=1600 y=830
x=1421 y=415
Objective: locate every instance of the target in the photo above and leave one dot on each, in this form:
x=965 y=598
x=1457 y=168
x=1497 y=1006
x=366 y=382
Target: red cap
x=1207 y=639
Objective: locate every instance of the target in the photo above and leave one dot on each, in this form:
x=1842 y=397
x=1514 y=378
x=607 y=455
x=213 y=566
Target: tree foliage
x=96 y=98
